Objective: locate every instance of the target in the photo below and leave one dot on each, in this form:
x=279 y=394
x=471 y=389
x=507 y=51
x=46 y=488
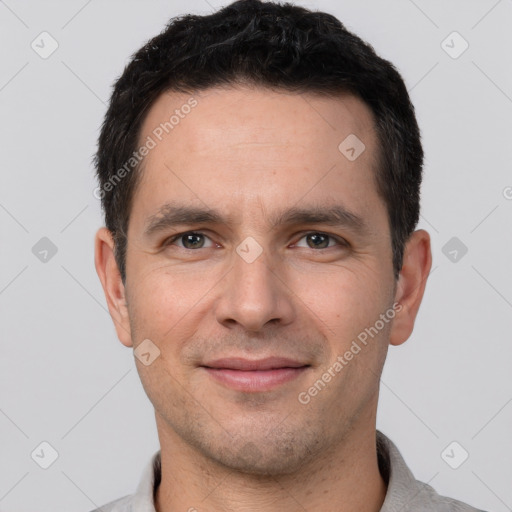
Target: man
x=260 y=170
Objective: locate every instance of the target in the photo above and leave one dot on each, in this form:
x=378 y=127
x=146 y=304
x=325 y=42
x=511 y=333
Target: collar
x=402 y=488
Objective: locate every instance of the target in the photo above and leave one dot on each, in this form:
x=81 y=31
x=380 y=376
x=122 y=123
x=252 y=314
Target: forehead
x=256 y=115
x=256 y=146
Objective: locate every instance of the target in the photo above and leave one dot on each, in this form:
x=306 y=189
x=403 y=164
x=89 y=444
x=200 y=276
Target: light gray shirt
x=404 y=493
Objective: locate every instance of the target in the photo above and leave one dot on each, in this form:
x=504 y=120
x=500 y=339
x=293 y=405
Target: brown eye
x=190 y=240
x=318 y=240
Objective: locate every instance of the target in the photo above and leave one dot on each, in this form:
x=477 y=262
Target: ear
x=113 y=287
x=411 y=285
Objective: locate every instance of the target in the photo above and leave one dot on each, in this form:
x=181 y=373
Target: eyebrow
x=173 y=214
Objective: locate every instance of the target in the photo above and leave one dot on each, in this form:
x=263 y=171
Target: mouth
x=254 y=375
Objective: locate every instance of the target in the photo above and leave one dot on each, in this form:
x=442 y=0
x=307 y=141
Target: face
x=259 y=265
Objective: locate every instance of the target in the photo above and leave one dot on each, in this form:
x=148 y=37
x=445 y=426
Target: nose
x=253 y=295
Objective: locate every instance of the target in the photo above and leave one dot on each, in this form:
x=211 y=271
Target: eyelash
x=169 y=241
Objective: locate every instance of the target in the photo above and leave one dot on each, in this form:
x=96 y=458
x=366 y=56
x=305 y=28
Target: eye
x=318 y=240
x=189 y=240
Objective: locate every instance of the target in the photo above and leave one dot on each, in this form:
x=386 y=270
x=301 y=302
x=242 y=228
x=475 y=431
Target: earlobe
x=113 y=287
x=412 y=280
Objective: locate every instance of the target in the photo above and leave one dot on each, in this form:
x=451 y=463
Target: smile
x=254 y=376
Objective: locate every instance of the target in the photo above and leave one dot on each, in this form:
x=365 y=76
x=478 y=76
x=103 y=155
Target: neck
x=347 y=479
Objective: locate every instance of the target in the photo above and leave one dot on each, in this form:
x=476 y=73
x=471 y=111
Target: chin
x=251 y=464
x=284 y=454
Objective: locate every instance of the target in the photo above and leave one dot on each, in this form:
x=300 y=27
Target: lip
x=254 y=375
x=240 y=363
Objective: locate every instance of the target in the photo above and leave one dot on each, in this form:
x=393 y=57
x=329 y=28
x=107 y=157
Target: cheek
x=342 y=302
x=163 y=302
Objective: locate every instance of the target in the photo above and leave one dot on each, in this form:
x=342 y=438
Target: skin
x=250 y=152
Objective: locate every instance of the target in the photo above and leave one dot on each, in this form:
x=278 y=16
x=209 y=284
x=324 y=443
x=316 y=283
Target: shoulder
x=119 y=505
x=428 y=500
x=404 y=492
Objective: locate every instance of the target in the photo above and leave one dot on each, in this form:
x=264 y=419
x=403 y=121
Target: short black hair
x=273 y=45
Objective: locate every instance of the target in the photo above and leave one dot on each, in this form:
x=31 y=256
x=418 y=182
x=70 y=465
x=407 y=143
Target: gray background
x=67 y=380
